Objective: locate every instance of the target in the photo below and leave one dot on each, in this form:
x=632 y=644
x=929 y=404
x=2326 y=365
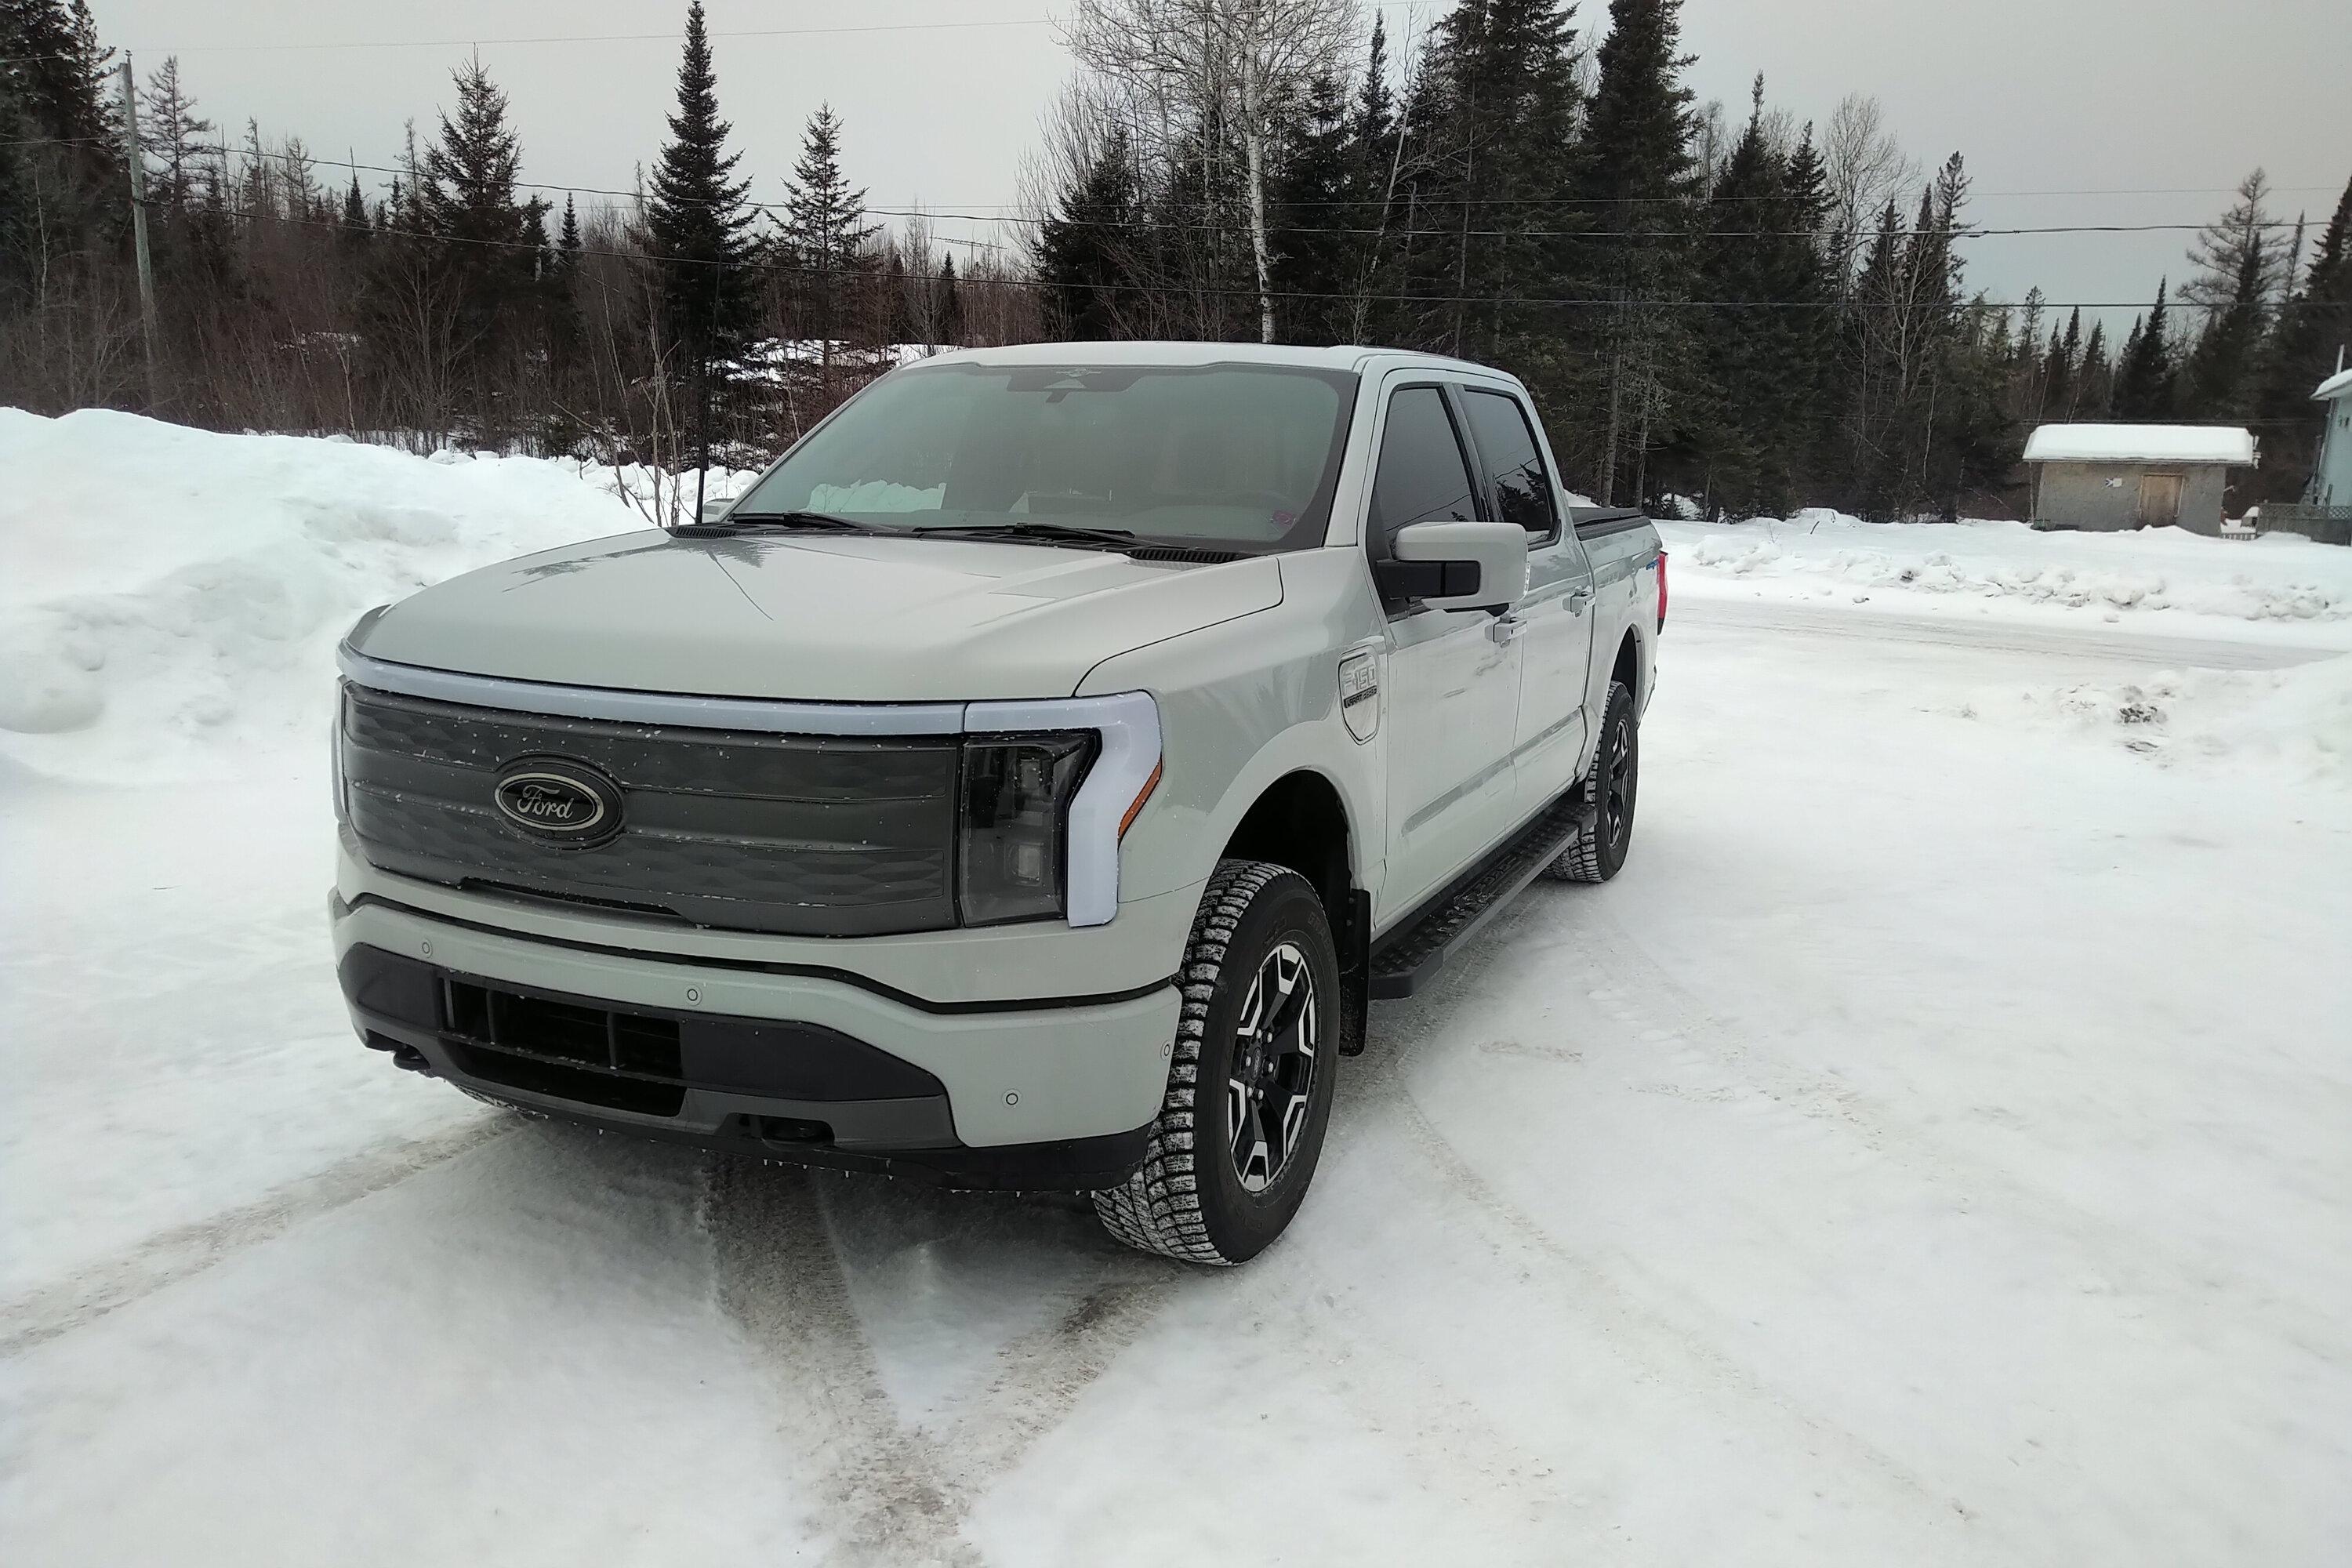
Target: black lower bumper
x=776 y=1090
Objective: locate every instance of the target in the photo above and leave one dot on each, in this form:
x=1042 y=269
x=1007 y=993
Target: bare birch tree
x=1202 y=65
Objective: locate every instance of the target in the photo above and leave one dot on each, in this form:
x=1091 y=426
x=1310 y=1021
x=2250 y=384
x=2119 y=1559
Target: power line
x=772 y=266
x=852 y=27
x=774 y=209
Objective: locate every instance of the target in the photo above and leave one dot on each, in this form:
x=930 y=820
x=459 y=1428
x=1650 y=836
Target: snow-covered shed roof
x=2336 y=385
x=2142 y=444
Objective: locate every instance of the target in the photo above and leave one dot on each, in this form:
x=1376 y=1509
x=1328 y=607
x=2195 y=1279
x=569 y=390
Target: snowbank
x=175 y=595
x=2298 y=718
x=1819 y=553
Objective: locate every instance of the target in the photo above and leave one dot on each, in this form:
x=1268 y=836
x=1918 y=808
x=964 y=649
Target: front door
x=1554 y=621
x=1452 y=682
x=2159 y=500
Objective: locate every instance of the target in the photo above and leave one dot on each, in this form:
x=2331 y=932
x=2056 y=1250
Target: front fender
x=1242 y=705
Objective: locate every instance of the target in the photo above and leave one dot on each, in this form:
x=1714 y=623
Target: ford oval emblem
x=565 y=803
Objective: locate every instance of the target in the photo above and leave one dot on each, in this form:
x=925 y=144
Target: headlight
x=1014 y=835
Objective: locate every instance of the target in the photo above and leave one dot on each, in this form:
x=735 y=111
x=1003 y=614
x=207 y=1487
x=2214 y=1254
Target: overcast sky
x=2068 y=112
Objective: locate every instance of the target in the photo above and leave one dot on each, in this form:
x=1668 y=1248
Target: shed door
x=2159 y=500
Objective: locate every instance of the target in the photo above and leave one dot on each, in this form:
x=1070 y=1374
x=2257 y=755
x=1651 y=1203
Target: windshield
x=1229 y=456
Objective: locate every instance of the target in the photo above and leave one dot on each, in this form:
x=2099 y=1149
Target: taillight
x=1662 y=588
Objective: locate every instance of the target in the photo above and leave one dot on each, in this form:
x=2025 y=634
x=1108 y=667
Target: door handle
x=1579 y=598
x=1505 y=629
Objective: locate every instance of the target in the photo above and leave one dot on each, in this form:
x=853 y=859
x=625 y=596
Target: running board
x=1409 y=957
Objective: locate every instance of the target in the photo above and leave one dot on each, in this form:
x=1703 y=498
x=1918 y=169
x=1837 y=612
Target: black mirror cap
x=1401 y=582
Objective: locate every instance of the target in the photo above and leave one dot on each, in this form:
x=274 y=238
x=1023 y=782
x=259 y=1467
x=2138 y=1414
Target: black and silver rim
x=1617 y=791
x=1273 y=1074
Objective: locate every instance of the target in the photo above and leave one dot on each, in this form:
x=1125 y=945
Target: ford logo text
x=562 y=801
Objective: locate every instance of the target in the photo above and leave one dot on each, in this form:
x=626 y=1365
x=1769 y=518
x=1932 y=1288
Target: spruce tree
x=1083 y=258
x=826 y=234
x=1307 y=195
x=567 y=238
x=697 y=224
x=481 y=235
x=2144 y=390
x=2314 y=324
x=2095 y=382
x=171 y=134
x=948 y=315
x=1635 y=187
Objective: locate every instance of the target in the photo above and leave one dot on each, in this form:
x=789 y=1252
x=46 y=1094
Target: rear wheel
x=1598 y=850
x=1249 y=1081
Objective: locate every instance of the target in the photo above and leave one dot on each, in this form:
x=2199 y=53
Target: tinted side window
x=1421 y=474
x=1507 y=445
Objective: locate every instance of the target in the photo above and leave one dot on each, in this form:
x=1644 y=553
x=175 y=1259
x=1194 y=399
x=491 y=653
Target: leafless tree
x=1866 y=168
x=1199 y=65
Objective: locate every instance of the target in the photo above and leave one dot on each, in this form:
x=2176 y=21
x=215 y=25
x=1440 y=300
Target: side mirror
x=715 y=506
x=1452 y=565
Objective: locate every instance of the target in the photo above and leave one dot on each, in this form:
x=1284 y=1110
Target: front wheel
x=1249 y=1081
x=1598 y=850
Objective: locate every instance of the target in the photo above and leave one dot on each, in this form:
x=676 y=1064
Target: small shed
x=2134 y=476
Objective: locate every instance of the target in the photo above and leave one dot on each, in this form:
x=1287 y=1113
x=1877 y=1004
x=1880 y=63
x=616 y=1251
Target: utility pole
x=131 y=155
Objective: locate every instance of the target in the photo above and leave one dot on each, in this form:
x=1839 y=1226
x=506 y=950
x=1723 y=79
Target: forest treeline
x=1736 y=306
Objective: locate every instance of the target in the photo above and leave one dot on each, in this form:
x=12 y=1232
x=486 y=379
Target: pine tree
x=480 y=234
x=1636 y=185
x=170 y=134
x=567 y=238
x=2062 y=368
x=1083 y=258
x=2095 y=382
x=949 y=314
x=826 y=234
x=2314 y=324
x=2144 y=377
x=1312 y=271
x=697 y=224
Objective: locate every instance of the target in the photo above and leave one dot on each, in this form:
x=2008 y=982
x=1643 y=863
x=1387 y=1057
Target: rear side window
x=1507 y=445
x=1422 y=476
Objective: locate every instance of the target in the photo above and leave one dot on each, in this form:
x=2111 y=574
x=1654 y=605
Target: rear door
x=1553 y=625
x=1453 y=683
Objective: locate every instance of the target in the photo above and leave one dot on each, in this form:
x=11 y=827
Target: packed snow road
x=1931 y=1148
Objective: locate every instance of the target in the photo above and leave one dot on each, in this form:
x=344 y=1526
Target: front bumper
x=784 y=1065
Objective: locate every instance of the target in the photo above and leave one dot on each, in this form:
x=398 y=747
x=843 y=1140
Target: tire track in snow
x=1581 y=1288
x=893 y=1494
x=171 y=1256
x=883 y=1488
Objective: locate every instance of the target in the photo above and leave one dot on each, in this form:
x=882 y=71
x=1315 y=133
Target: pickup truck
x=1027 y=782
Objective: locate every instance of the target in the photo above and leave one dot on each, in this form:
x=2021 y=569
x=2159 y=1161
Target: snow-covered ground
x=1931 y=1149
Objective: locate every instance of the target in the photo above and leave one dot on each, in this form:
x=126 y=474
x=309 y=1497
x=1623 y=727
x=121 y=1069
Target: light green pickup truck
x=1028 y=783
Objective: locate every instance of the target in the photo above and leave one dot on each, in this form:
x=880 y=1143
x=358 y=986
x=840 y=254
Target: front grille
x=624 y=1061
x=795 y=835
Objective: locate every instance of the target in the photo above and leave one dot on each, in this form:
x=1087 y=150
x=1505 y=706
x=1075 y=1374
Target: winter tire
x=1249 y=1079
x=1598 y=850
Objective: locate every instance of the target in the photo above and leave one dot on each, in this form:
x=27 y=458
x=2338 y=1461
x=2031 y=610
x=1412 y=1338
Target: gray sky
x=2068 y=112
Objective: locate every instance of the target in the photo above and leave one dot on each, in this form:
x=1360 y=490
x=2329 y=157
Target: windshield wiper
x=762 y=522
x=1043 y=533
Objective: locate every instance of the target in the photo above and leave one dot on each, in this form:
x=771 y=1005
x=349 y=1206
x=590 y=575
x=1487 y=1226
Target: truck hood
x=841 y=618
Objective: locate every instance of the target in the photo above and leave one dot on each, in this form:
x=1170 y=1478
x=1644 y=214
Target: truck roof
x=1345 y=356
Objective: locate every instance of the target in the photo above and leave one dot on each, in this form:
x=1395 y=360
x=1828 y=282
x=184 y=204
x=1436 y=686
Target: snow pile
x=2299 y=718
x=175 y=595
x=1819 y=553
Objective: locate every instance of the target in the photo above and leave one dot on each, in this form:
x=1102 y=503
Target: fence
x=2325 y=524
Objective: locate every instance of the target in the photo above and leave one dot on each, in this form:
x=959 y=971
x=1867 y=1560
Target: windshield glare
x=1232 y=456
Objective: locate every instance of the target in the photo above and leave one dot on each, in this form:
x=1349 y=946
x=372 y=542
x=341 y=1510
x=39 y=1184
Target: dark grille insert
x=625 y=1061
